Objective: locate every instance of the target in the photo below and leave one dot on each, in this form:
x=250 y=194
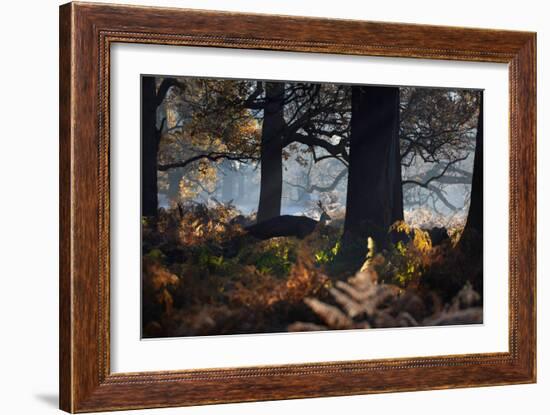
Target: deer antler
x=320 y=205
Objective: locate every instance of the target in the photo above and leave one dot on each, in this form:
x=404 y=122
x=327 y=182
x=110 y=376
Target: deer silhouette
x=288 y=225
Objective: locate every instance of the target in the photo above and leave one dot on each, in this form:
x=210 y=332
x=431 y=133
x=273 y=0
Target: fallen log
x=285 y=225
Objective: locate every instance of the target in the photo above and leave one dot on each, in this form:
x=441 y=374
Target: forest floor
x=203 y=275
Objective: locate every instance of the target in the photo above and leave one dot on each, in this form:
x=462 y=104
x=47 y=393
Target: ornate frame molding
x=86 y=33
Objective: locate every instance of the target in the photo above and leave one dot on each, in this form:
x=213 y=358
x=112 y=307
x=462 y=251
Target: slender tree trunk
x=241 y=185
x=174 y=177
x=303 y=194
x=475 y=213
x=374 y=196
x=228 y=182
x=150 y=137
x=271 y=182
x=471 y=241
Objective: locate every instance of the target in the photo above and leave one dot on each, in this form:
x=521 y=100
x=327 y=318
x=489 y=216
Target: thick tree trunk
x=475 y=213
x=150 y=137
x=271 y=183
x=374 y=196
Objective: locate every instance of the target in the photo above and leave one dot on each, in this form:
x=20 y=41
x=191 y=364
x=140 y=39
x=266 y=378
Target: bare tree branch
x=343 y=173
x=213 y=156
x=436 y=177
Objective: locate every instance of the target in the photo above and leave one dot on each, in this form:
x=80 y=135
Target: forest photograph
x=292 y=206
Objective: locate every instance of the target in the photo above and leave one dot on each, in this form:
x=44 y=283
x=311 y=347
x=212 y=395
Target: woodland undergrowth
x=202 y=275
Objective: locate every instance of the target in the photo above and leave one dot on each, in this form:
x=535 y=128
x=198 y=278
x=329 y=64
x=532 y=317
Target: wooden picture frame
x=86 y=33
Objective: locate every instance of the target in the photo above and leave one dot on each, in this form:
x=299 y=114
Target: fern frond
x=331 y=315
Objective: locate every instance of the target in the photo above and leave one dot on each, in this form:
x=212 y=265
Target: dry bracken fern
x=362 y=302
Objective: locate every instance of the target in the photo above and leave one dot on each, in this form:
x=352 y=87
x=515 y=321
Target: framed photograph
x=258 y=207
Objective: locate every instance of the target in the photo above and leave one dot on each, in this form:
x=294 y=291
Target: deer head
x=325 y=217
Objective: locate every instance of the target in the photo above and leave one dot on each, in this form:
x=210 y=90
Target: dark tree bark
x=374 y=196
x=150 y=137
x=151 y=99
x=475 y=213
x=271 y=182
